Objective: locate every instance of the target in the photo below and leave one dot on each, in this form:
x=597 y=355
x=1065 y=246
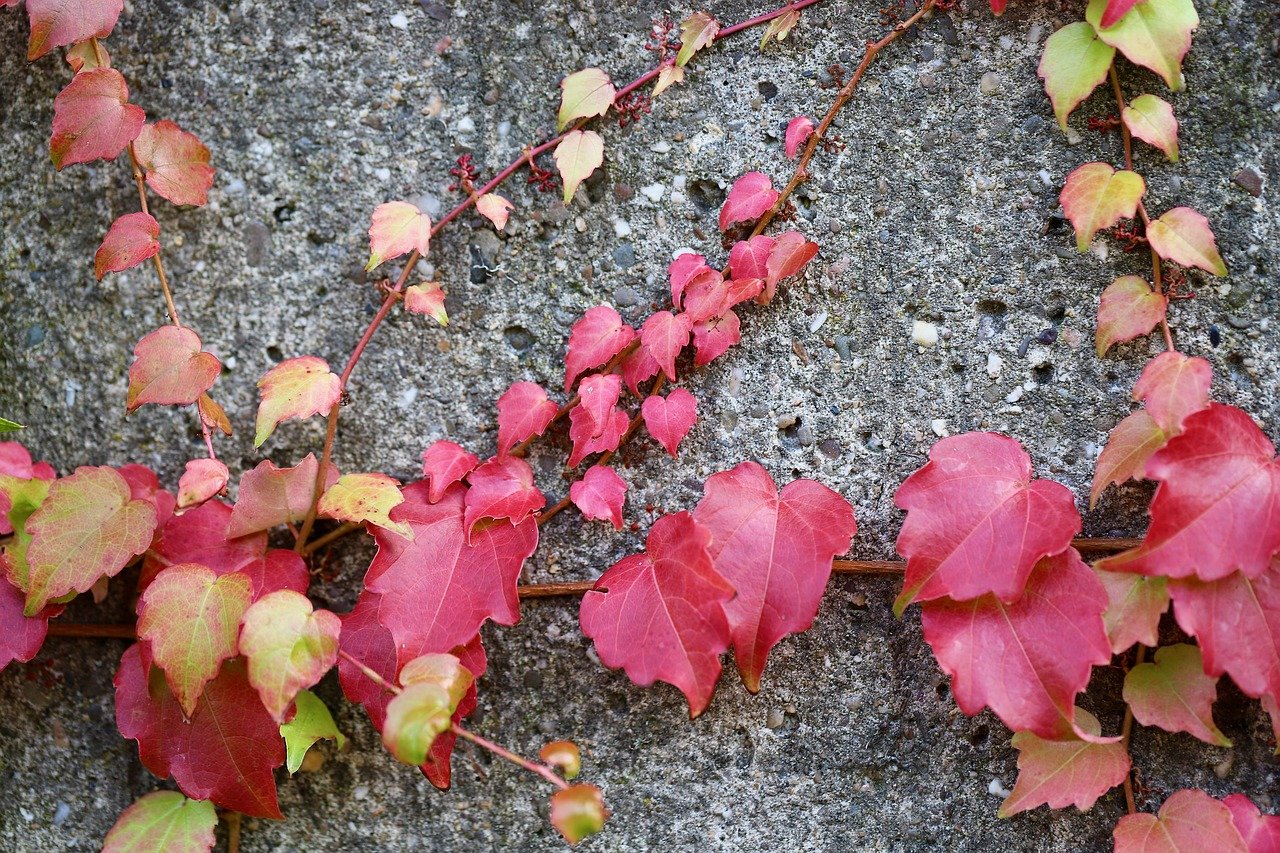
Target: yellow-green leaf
x=584 y=94
x=1096 y=196
x=1074 y=62
x=1129 y=308
x=365 y=497
x=415 y=717
x=7 y=425
x=89 y=527
x=667 y=75
x=25 y=497
x=578 y=811
x=295 y=388
x=578 y=155
x=780 y=27
x=191 y=617
x=1155 y=34
x=396 y=229
x=1183 y=236
x=1151 y=119
x=289 y=645
x=444 y=670
x=1174 y=694
x=163 y=822
x=696 y=32
x=311 y=722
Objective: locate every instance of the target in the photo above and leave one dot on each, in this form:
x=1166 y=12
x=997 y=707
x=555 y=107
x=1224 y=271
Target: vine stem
x=1126 y=734
x=1127 y=139
x=533 y=767
x=394 y=293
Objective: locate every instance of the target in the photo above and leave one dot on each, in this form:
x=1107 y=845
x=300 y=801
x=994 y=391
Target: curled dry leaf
x=163 y=820
x=289 y=647
x=176 y=163
x=295 y=388
x=1183 y=236
x=578 y=155
x=202 y=480
x=427 y=298
x=130 y=240
x=584 y=94
x=1096 y=196
x=93 y=119
x=1128 y=309
x=599 y=495
x=1151 y=119
x=360 y=498
x=170 y=368
x=397 y=228
x=1074 y=63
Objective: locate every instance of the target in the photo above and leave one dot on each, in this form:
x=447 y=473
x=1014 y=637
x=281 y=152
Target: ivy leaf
x=1128 y=309
x=1174 y=694
x=1172 y=387
x=445 y=463
x=226 y=752
x=1075 y=61
x=359 y=498
x=1155 y=34
x=564 y=756
x=397 y=228
x=494 y=208
x=1135 y=606
x=696 y=32
x=441 y=586
x=93 y=119
x=749 y=198
x=584 y=94
x=683 y=270
x=599 y=495
x=660 y=615
x=427 y=298
x=21 y=636
x=1116 y=9
x=271 y=495
x=7 y=425
x=202 y=480
x=709 y=294
x=1183 y=236
x=1061 y=773
x=749 y=258
x=130 y=240
x=712 y=338
x=190 y=619
x=163 y=820
x=638 y=366
x=88 y=528
x=295 y=388
x=501 y=487
x=664 y=335
x=415 y=717
x=669 y=419
x=55 y=23
x=977 y=522
x=578 y=811
x=791 y=253
x=82 y=56
x=170 y=368
x=1236 y=621
x=780 y=27
x=776 y=550
x=1260 y=832
x=176 y=163
x=311 y=722
x=1096 y=196
x=213 y=415
x=668 y=75
x=523 y=412
x=595 y=425
x=1026 y=660
x=1151 y=119
x=1217 y=508
x=799 y=129
x=289 y=647
x=596 y=338
x=578 y=155
x=1190 y=820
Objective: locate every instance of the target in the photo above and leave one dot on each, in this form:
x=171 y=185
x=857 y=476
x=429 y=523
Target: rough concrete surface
x=939 y=205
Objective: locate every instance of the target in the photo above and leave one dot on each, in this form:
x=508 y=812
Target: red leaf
x=712 y=338
x=599 y=495
x=776 y=551
x=170 y=368
x=1217 y=509
x=664 y=335
x=271 y=495
x=1136 y=605
x=1061 y=773
x=682 y=271
x=226 y=752
x=176 y=163
x=130 y=240
x=748 y=258
x=598 y=396
x=1129 y=308
x=799 y=129
x=202 y=479
x=638 y=366
x=593 y=340
x=502 y=487
x=660 y=616
x=670 y=418
x=20 y=636
x=445 y=463
x=1129 y=445
x=1189 y=821
x=1172 y=386
x=977 y=522
x=1261 y=833
x=15 y=461
x=55 y=23
x=1116 y=9
x=443 y=587
x=595 y=424
x=93 y=119
x=1026 y=660
x=791 y=253
x=709 y=294
x=523 y=412
x=749 y=198
x=144 y=485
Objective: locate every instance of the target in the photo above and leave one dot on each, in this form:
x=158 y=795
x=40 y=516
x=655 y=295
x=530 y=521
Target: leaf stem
x=159 y=264
x=533 y=767
x=332 y=536
x=1126 y=734
x=369 y=673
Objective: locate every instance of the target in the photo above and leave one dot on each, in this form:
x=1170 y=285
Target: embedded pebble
x=622 y=228
x=923 y=333
x=818 y=319
x=939 y=427
x=399 y=21
x=995 y=364
x=989 y=84
x=775 y=719
x=653 y=192
x=996 y=789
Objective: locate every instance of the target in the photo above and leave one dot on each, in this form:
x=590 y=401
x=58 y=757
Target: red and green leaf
x=584 y=94
x=170 y=368
x=578 y=155
x=1096 y=196
x=130 y=240
x=93 y=119
x=397 y=228
x=55 y=23
x=1189 y=821
x=1183 y=236
x=163 y=821
x=176 y=163
x=270 y=496
x=1061 y=773
x=1174 y=694
x=1074 y=63
x=361 y=498
x=295 y=388
x=1128 y=309
x=289 y=646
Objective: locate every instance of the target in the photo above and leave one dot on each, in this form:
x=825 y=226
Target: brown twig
x=332 y=536
x=1126 y=734
x=233 y=830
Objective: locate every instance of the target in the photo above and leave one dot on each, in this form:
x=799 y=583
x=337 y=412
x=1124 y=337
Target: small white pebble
x=360 y=792
x=653 y=192
x=995 y=364
x=382 y=173
x=924 y=334
x=662 y=146
x=996 y=789
x=466 y=124
x=679 y=182
x=1045 y=177
x=818 y=319
x=1014 y=396
x=939 y=427
x=622 y=227
x=399 y=21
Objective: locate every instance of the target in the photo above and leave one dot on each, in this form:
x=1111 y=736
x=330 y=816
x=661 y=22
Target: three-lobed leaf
x=445 y=463
x=131 y=239
x=584 y=94
x=1174 y=694
x=1097 y=196
x=170 y=368
x=93 y=119
x=599 y=495
x=1155 y=34
x=271 y=495
x=501 y=488
x=1061 y=773
x=294 y=388
x=311 y=722
x=524 y=411
x=1189 y=821
x=1075 y=61
x=289 y=646
x=696 y=32
x=55 y=23
x=1183 y=236
x=163 y=821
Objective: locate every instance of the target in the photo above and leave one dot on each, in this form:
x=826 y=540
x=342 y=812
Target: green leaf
x=1155 y=34
x=311 y=722
x=1074 y=62
x=1096 y=196
x=564 y=756
x=290 y=646
x=7 y=425
x=696 y=32
x=415 y=717
x=1174 y=694
x=365 y=497
x=25 y=497
x=1151 y=119
x=578 y=811
x=584 y=94
x=578 y=155
x=163 y=822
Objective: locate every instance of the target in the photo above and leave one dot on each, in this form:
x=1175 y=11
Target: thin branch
x=159 y=264
x=332 y=536
x=533 y=767
x=1126 y=734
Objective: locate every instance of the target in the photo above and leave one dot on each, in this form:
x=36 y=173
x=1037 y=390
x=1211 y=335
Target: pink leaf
x=977 y=522
x=595 y=424
x=1173 y=386
x=20 y=636
x=1116 y=9
x=712 y=338
x=445 y=463
x=295 y=388
x=593 y=340
x=1174 y=694
x=749 y=197
x=55 y=23
x=438 y=587
x=598 y=395
x=1128 y=309
x=791 y=253
x=669 y=419
x=130 y=240
x=1129 y=446
x=93 y=119
x=170 y=368
x=1151 y=119
x=599 y=495
x=202 y=480
x=1183 y=236
x=1061 y=773
x=1261 y=833
x=748 y=258
x=1189 y=821
x=176 y=163
x=1026 y=660
x=501 y=488
x=523 y=412
x=664 y=335
x=1217 y=509
x=659 y=615
x=494 y=208
x=270 y=496
x=427 y=298
x=1135 y=606
x=578 y=155
x=1096 y=196
x=776 y=551
x=682 y=271
x=397 y=228
x=799 y=129
x=709 y=294
x=638 y=366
